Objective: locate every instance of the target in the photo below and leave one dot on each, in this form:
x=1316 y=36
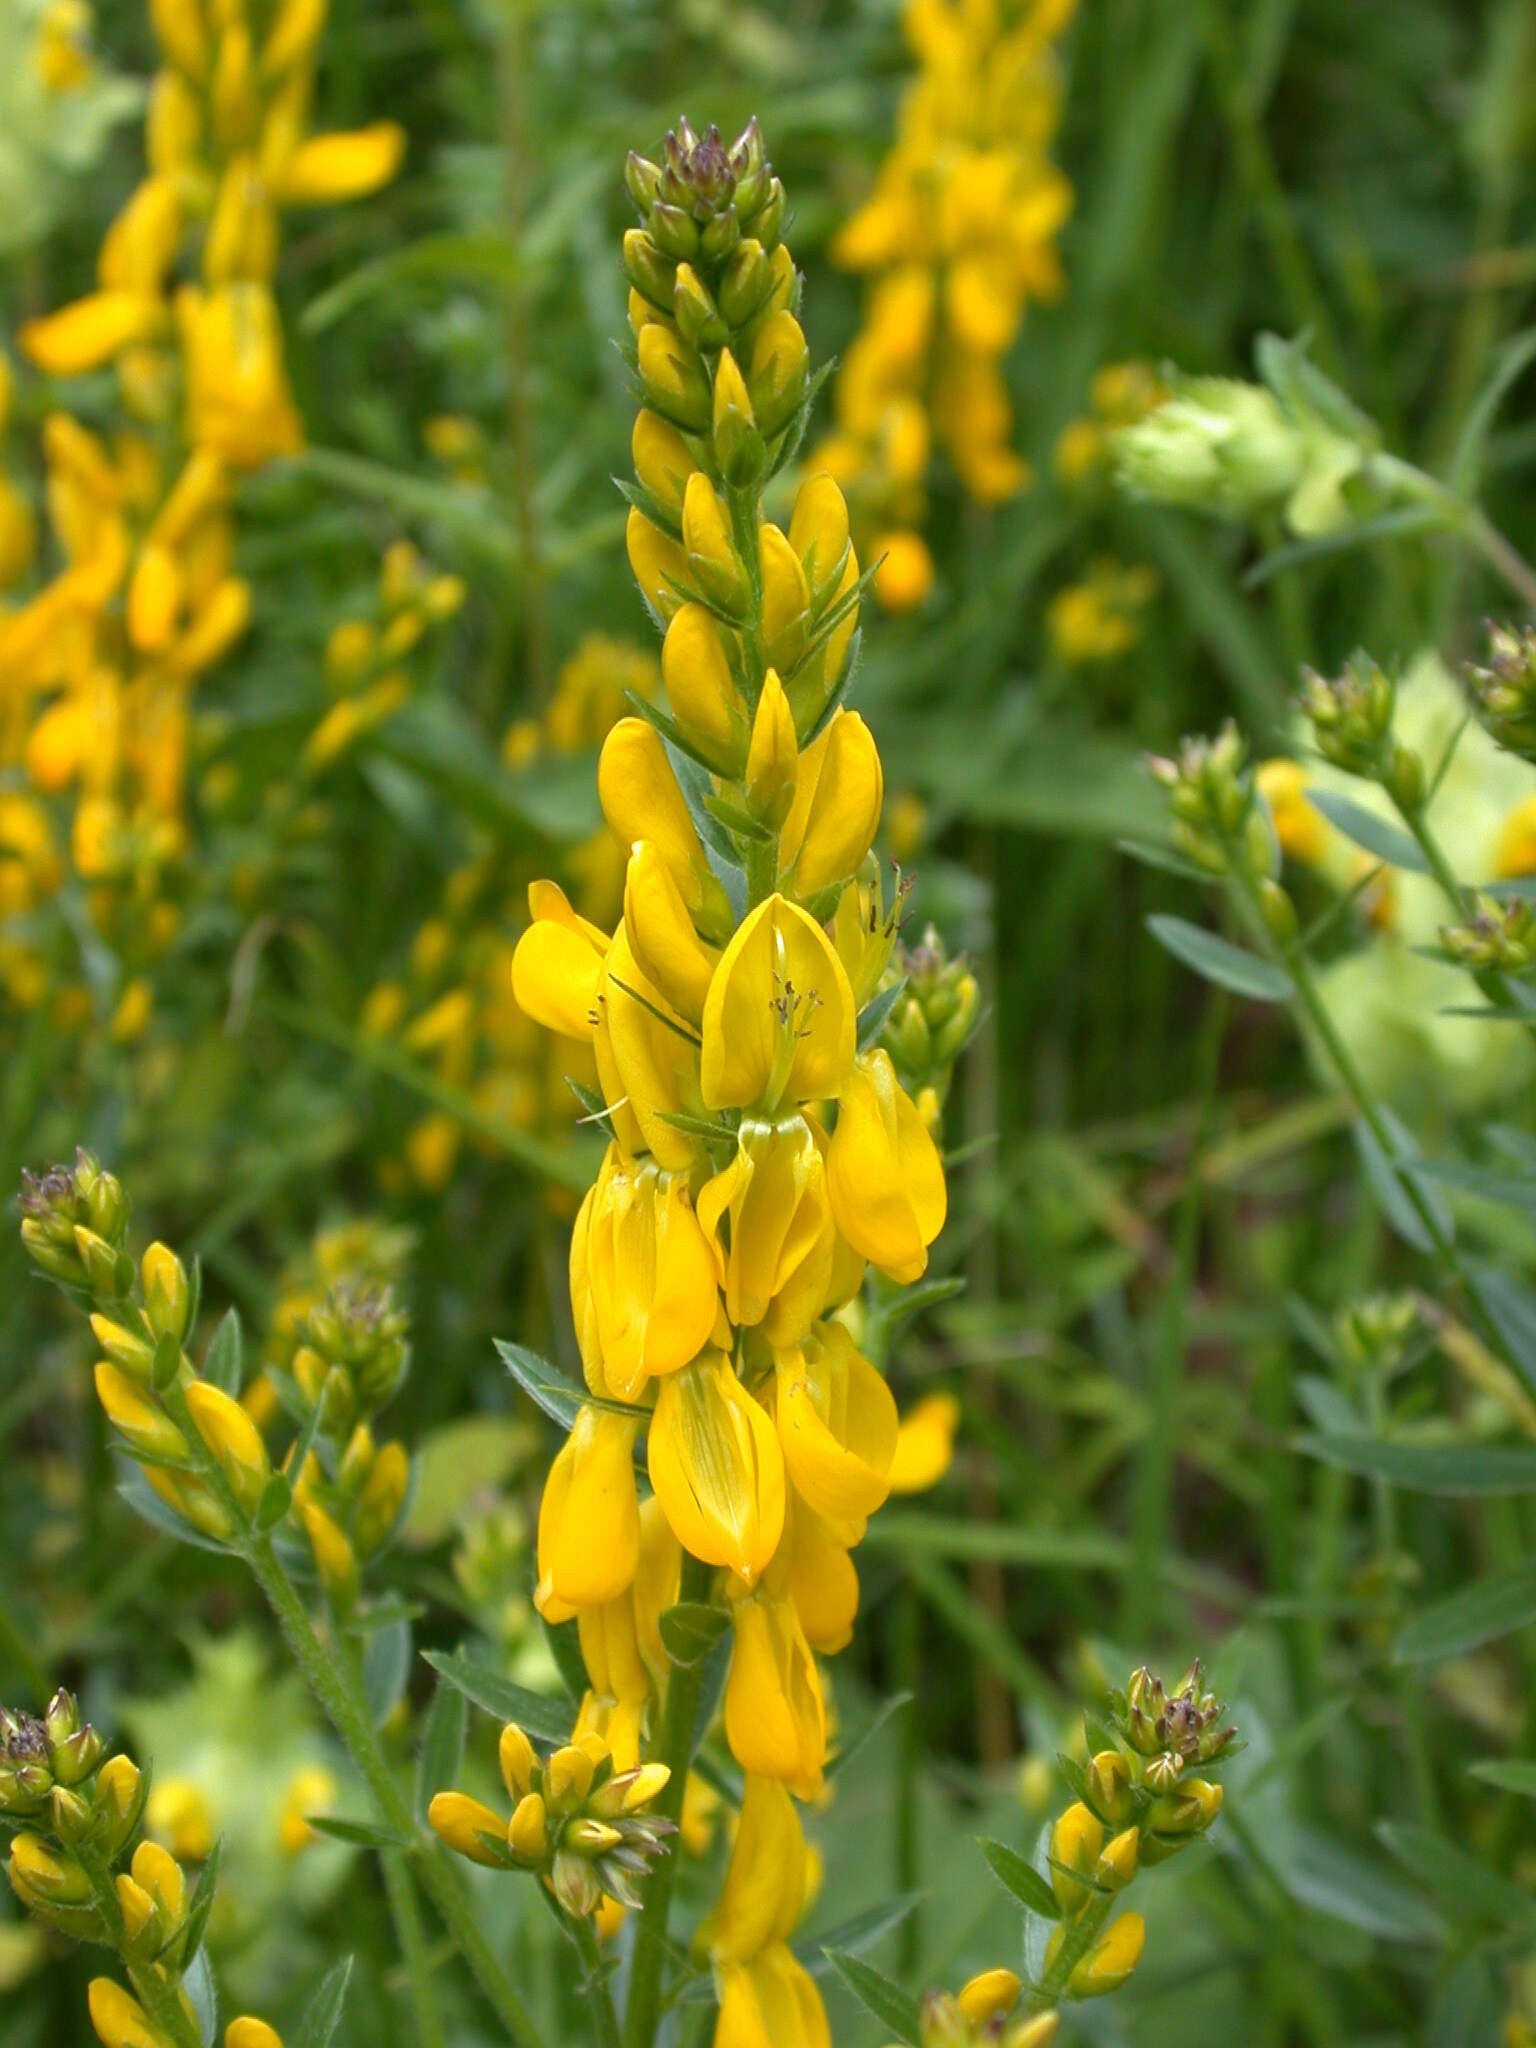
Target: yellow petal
x=662 y=938
x=837 y=1423
x=90 y=332
x=646 y=1061
x=348 y=166
x=701 y=689
x=775 y=1717
x=558 y=965
x=764 y=1891
x=925 y=1444
x=837 y=807
x=786 y=606
x=768 y=1217
x=818 y=533
x=716 y=1467
x=589 y=1517
x=651 y=1274
x=641 y=800
x=770 y=2002
x=884 y=1176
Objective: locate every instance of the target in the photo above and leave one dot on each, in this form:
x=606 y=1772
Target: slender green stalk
x=1409 y=1703
x=403 y=1911
x=605 y=2021
x=160 y=1999
x=1080 y=1936
x=675 y=1750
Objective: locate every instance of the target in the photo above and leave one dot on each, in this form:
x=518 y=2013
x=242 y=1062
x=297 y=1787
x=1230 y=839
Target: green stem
x=605 y=2021
x=1080 y=1936
x=675 y=1750
x=349 y=1716
x=159 y=1997
x=406 y=1916
x=1409 y=1703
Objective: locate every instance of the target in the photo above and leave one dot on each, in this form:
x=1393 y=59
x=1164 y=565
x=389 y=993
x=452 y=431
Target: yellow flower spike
x=673 y=378
x=468 y=1827
x=764 y=1891
x=120 y=2021
x=837 y=1424
x=651 y=1273
x=818 y=534
x=713 y=563
x=558 y=964
x=167 y=1291
x=247 y=2032
x=779 y=1019
x=238 y=404
x=518 y=1759
x=641 y=800
x=382 y=1497
x=1076 y=1840
x=701 y=689
x=770 y=2002
x=775 y=1716
x=589 y=1518
x=775 y=1262
x=884 y=1176
x=925 y=1444
x=232 y=93
x=145 y=1427
x=836 y=812
x=233 y=1438
x=663 y=461
x=328 y=168
x=772 y=755
x=985 y=1997
x=646 y=1062
x=335 y=1559
x=1111 y=1959
x=1117 y=1865
x=716 y=1467
x=662 y=939
x=813 y=1567
x=785 y=622
x=658 y=564
x=90 y=332
x=528 y=1835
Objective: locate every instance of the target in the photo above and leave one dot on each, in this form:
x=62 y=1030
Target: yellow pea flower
x=775 y=1716
x=713 y=563
x=142 y=1424
x=658 y=563
x=646 y=1060
x=925 y=1444
x=641 y=800
x=988 y=1995
x=661 y=933
x=779 y=1018
x=836 y=812
x=716 y=1467
x=813 y=1567
x=239 y=406
x=90 y=332
x=327 y=168
x=1076 y=1839
x=701 y=689
x=558 y=964
x=1111 y=1959
x=663 y=461
x=904 y=569
x=469 y=1828
x=786 y=599
x=770 y=2002
x=837 y=1423
x=764 y=1892
x=651 y=1272
x=884 y=1176
x=772 y=755
x=818 y=534
x=120 y=2021
x=589 y=1517
x=178 y=1811
x=775 y=1261
x=610 y=1725
x=246 y=2032
x=816 y=675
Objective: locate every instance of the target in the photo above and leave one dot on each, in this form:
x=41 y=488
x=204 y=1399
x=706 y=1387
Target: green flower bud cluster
x=1376 y=1333
x=1351 y=717
x=933 y=1018
x=1216 y=821
x=79 y=1813
x=74 y=1222
x=353 y=1355
x=1503 y=687
x=1500 y=936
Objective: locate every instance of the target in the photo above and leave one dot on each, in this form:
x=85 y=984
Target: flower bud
x=694 y=309
x=663 y=461
x=1076 y=1840
x=228 y=1431
x=672 y=378
x=738 y=446
x=713 y=562
x=779 y=372
x=1111 y=1959
x=772 y=756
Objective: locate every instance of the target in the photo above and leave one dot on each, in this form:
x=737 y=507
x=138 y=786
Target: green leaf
x=564 y=1641
x=223 y=1364
x=690 y=1629
x=893 y=2007
x=488 y=256
x=546 y=1719
x=1385 y=841
x=1508 y=1776
x=386 y=1668
x=322 y=2016
x=1467 y=459
x=889 y=1709
x=1151 y=853
x=1217 y=960
x=1338 y=1883
x=542 y=1382
x=862 y=1930
x=442 y=1745
x=1022 y=1879
x=1482 y=1613
x=872 y=1017
x=359 y=1834
x=192 y=1930
x=1469 y=1890
x=1454 y=1469
x=197 y=1982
